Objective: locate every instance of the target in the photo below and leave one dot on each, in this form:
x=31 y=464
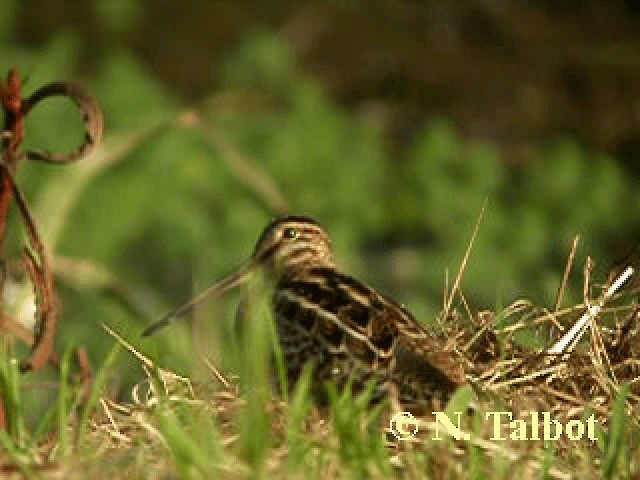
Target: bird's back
x=352 y=332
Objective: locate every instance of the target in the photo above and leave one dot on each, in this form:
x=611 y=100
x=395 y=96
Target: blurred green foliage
x=169 y=214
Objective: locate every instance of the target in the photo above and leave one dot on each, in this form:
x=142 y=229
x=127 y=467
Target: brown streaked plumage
x=347 y=329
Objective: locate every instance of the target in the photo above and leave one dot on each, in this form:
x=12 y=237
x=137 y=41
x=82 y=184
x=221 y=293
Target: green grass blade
x=96 y=390
x=614 y=443
x=64 y=403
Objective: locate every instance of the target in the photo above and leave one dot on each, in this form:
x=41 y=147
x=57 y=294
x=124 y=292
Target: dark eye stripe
x=311 y=230
x=269 y=252
x=290 y=232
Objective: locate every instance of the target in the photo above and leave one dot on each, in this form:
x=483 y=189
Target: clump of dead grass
x=583 y=380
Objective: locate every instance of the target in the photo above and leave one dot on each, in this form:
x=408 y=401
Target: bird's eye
x=290 y=233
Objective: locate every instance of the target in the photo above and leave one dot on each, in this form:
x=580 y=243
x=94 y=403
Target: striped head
x=287 y=244
x=292 y=243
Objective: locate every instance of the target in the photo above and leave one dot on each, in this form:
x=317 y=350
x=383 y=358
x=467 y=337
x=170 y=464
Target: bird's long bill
x=237 y=278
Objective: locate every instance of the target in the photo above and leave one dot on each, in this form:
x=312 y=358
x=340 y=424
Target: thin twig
x=12 y=135
x=86 y=375
x=247 y=172
x=15 y=110
x=42 y=284
x=463 y=265
x=567 y=272
x=586 y=288
x=10 y=325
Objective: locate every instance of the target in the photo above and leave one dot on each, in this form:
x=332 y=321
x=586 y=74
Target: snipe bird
x=347 y=329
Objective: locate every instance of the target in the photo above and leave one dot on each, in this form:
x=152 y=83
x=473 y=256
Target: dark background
x=513 y=73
